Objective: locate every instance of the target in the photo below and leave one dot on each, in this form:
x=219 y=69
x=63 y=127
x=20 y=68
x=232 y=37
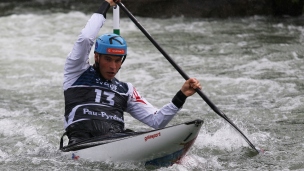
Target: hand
x=112 y=2
x=190 y=86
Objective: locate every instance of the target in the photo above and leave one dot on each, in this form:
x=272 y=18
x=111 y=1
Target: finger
x=196 y=85
x=199 y=87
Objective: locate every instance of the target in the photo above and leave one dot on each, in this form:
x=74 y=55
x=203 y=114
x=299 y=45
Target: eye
x=108 y=59
x=118 y=60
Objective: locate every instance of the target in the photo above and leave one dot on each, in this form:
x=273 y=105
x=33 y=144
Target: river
x=250 y=68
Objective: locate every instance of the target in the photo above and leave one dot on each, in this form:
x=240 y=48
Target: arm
x=142 y=110
x=78 y=59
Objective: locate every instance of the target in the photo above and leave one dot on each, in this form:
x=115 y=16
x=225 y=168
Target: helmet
x=111 y=44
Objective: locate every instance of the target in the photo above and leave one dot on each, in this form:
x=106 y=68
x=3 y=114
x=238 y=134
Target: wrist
x=103 y=9
x=179 y=99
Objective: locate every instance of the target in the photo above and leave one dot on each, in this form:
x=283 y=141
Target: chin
x=110 y=78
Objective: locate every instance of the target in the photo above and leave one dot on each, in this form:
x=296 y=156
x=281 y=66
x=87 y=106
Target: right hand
x=112 y=2
x=190 y=86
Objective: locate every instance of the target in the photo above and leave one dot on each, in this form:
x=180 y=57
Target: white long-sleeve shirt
x=88 y=96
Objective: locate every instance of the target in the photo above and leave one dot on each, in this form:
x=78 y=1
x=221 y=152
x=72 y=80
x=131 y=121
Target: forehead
x=114 y=57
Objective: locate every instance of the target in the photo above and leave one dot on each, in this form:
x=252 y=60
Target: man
x=94 y=99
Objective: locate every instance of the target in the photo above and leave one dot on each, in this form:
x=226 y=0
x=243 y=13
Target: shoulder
x=125 y=87
x=88 y=77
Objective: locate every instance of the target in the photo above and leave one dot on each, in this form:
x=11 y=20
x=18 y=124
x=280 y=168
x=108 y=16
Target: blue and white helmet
x=111 y=44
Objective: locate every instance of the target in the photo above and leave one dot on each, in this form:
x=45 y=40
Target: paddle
x=116 y=18
x=183 y=74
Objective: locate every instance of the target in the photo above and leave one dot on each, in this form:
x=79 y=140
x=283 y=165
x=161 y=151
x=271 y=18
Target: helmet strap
x=124 y=58
x=96 y=65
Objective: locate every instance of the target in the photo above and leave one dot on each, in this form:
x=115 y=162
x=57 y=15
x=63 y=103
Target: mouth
x=112 y=74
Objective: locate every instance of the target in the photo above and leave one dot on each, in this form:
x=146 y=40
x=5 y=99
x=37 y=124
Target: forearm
x=155 y=118
x=78 y=57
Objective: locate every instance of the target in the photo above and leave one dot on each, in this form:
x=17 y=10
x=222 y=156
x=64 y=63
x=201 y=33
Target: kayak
x=156 y=148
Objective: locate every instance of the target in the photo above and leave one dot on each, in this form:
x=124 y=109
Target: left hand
x=112 y=2
x=190 y=86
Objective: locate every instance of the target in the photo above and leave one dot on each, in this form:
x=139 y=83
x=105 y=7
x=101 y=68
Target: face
x=109 y=65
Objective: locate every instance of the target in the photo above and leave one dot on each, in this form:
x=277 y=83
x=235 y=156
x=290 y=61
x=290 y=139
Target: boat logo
x=74 y=156
x=152 y=136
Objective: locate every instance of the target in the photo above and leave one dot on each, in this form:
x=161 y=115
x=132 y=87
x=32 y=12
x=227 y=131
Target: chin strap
x=96 y=65
x=124 y=58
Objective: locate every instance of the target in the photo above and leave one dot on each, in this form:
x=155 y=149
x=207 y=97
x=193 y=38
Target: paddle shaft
x=116 y=18
x=182 y=73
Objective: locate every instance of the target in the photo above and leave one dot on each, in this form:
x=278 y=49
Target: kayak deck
x=157 y=148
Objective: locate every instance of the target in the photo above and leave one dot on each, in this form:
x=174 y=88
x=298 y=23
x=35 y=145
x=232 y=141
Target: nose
x=112 y=65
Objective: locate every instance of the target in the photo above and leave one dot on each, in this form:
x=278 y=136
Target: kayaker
x=94 y=99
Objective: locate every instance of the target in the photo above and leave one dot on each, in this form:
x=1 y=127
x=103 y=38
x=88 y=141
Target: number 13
x=110 y=96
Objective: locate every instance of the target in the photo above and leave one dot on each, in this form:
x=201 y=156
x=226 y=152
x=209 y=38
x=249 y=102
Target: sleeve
x=78 y=59
x=142 y=110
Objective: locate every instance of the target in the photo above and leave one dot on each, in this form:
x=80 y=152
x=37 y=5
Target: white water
x=251 y=68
